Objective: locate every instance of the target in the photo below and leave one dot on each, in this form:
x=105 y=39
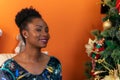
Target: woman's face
x=37 y=33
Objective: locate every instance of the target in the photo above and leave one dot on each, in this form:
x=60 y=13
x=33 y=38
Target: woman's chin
x=43 y=46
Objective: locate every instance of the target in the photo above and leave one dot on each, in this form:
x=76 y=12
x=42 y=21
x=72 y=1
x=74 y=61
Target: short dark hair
x=25 y=16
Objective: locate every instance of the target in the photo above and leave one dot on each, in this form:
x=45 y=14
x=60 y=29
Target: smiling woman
x=32 y=64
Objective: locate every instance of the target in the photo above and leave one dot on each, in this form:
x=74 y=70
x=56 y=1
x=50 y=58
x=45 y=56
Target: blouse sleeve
x=5 y=72
x=57 y=70
x=4 y=75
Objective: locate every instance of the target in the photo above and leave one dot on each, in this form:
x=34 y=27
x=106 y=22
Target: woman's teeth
x=44 y=40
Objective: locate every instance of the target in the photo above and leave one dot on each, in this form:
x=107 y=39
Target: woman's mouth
x=44 y=40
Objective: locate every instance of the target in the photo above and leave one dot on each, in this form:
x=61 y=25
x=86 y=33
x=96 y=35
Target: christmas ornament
x=113 y=75
x=93 y=48
x=89 y=47
x=107 y=24
x=118 y=65
x=99 y=46
x=97 y=78
x=118 y=6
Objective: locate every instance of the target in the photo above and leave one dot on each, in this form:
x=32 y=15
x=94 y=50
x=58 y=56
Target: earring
x=25 y=36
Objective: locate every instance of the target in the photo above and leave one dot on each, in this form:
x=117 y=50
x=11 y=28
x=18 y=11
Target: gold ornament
x=97 y=77
x=113 y=75
x=119 y=28
x=111 y=72
x=107 y=24
x=118 y=65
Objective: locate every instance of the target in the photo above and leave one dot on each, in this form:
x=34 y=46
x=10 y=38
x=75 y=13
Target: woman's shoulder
x=55 y=67
x=55 y=62
x=55 y=59
x=52 y=59
x=8 y=63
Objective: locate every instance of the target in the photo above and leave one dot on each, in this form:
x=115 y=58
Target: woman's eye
x=46 y=30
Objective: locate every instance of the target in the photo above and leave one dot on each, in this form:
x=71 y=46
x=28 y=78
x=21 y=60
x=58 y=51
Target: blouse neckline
x=32 y=73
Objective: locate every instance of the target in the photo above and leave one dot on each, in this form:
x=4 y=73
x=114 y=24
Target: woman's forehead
x=38 y=22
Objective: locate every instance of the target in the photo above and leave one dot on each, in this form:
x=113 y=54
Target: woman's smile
x=44 y=40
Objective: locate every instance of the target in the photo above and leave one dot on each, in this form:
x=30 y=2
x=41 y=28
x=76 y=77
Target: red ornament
x=118 y=5
x=101 y=49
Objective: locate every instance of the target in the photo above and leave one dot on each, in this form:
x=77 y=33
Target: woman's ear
x=25 y=33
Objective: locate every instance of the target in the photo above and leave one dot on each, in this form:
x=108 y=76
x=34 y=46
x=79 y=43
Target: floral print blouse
x=11 y=70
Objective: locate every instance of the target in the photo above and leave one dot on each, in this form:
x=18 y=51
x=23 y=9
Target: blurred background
x=70 y=23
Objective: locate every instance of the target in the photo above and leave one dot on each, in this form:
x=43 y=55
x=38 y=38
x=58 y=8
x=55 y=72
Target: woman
x=32 y=64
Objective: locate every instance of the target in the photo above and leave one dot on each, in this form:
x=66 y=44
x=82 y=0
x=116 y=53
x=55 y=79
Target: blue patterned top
x=11 y=70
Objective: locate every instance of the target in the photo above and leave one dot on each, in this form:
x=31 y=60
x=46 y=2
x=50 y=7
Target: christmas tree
x=104 y=50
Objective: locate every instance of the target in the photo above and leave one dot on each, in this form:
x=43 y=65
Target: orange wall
x=70 y=23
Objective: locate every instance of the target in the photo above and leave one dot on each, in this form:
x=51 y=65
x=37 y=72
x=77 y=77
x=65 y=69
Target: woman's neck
x=32 y=54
